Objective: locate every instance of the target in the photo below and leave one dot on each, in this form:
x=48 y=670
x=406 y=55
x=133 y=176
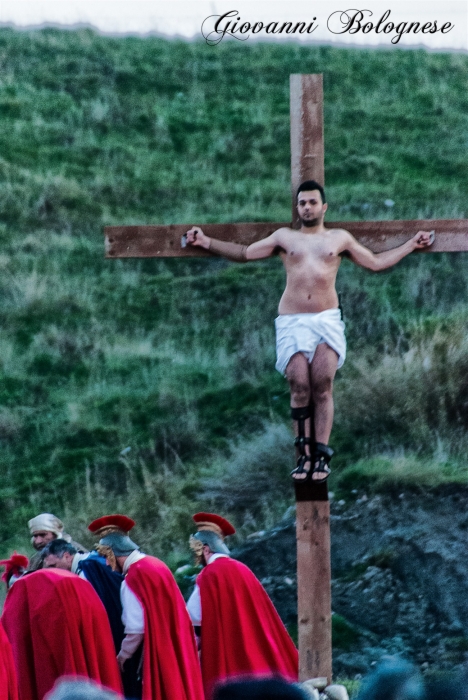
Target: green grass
x=175 y=358
x=386 y=473
x=345 y=636
x=352 y=686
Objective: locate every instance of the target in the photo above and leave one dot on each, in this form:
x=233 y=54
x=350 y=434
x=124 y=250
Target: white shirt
x=133 y=616
x=75 y=563
x=194 y=602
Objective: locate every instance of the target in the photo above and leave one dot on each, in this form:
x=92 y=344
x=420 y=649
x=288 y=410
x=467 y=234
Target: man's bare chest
x=313 y=249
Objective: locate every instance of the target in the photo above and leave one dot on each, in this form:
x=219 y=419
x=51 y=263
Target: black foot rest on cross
x=311 y=489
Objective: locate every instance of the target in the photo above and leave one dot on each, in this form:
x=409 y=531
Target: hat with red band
x=212 y=529
x=214 y=523
x=111 y=523
x=112 y=531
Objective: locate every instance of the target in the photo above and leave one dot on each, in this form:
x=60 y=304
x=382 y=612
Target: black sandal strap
x=324 y=452
x=300 y=441
x=322 y=469
x=300 y=414
x=300 y=467
x=322 y=457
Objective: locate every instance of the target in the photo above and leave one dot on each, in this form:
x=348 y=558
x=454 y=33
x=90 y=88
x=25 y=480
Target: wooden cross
x=313 y=508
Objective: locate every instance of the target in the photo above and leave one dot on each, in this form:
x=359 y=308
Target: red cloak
x=8 y=684
x=57 y=626
x=171 y=670
x=241 y=632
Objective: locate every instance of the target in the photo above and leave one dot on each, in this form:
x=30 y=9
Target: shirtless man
x=310 y=339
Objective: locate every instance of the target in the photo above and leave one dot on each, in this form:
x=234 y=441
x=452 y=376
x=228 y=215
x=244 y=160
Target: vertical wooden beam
x=307 y=146
x=312 y=505
x=313 y=582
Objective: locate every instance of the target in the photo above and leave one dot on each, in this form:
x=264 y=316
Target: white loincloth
x=303 y=332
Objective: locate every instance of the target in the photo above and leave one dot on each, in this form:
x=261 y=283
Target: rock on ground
x=400 y=577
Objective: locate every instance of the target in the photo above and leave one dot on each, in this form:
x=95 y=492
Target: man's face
x=310 y=208
x=52 y=561
x=207 y=553
x=41 y=539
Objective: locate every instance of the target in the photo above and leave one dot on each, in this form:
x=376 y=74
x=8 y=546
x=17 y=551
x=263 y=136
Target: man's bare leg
x=298 y=376
x=322 y=373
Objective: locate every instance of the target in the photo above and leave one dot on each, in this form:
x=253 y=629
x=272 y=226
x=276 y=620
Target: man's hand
x=423 y=239
x=121 y=660
x=196 y=237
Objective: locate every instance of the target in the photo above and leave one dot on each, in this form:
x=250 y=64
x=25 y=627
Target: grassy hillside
x=174 y=359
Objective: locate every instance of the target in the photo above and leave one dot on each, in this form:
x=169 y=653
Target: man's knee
x=322 y=389
x=300 y=391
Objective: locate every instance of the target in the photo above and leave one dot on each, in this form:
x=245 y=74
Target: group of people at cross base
x=116 y=615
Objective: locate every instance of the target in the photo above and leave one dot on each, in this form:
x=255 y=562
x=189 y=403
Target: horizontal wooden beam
x=165 y=241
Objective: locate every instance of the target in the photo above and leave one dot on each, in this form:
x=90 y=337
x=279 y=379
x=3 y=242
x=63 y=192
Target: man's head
x=205 y=544
x=58 y=555
x=116 y=548
x=395 y=679
x=114 y=544
x=44 y=528
x=311 y=203
x=259 y=689
x=67 y=688
x=209 y=540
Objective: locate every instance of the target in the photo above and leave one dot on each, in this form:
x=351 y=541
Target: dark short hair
x=58 y=548
x=309 y=185
x=259 y=689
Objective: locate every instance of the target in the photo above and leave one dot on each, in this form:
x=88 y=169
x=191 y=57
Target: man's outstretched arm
x=233 y=251
x=364 y=257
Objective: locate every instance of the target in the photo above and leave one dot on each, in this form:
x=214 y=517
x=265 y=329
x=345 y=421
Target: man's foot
x=302 y=444
x=323 y=455
x=302 y=472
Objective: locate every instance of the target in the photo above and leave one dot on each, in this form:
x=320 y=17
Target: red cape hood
x=171 y=670
x=57 y=626
x=241 y=632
